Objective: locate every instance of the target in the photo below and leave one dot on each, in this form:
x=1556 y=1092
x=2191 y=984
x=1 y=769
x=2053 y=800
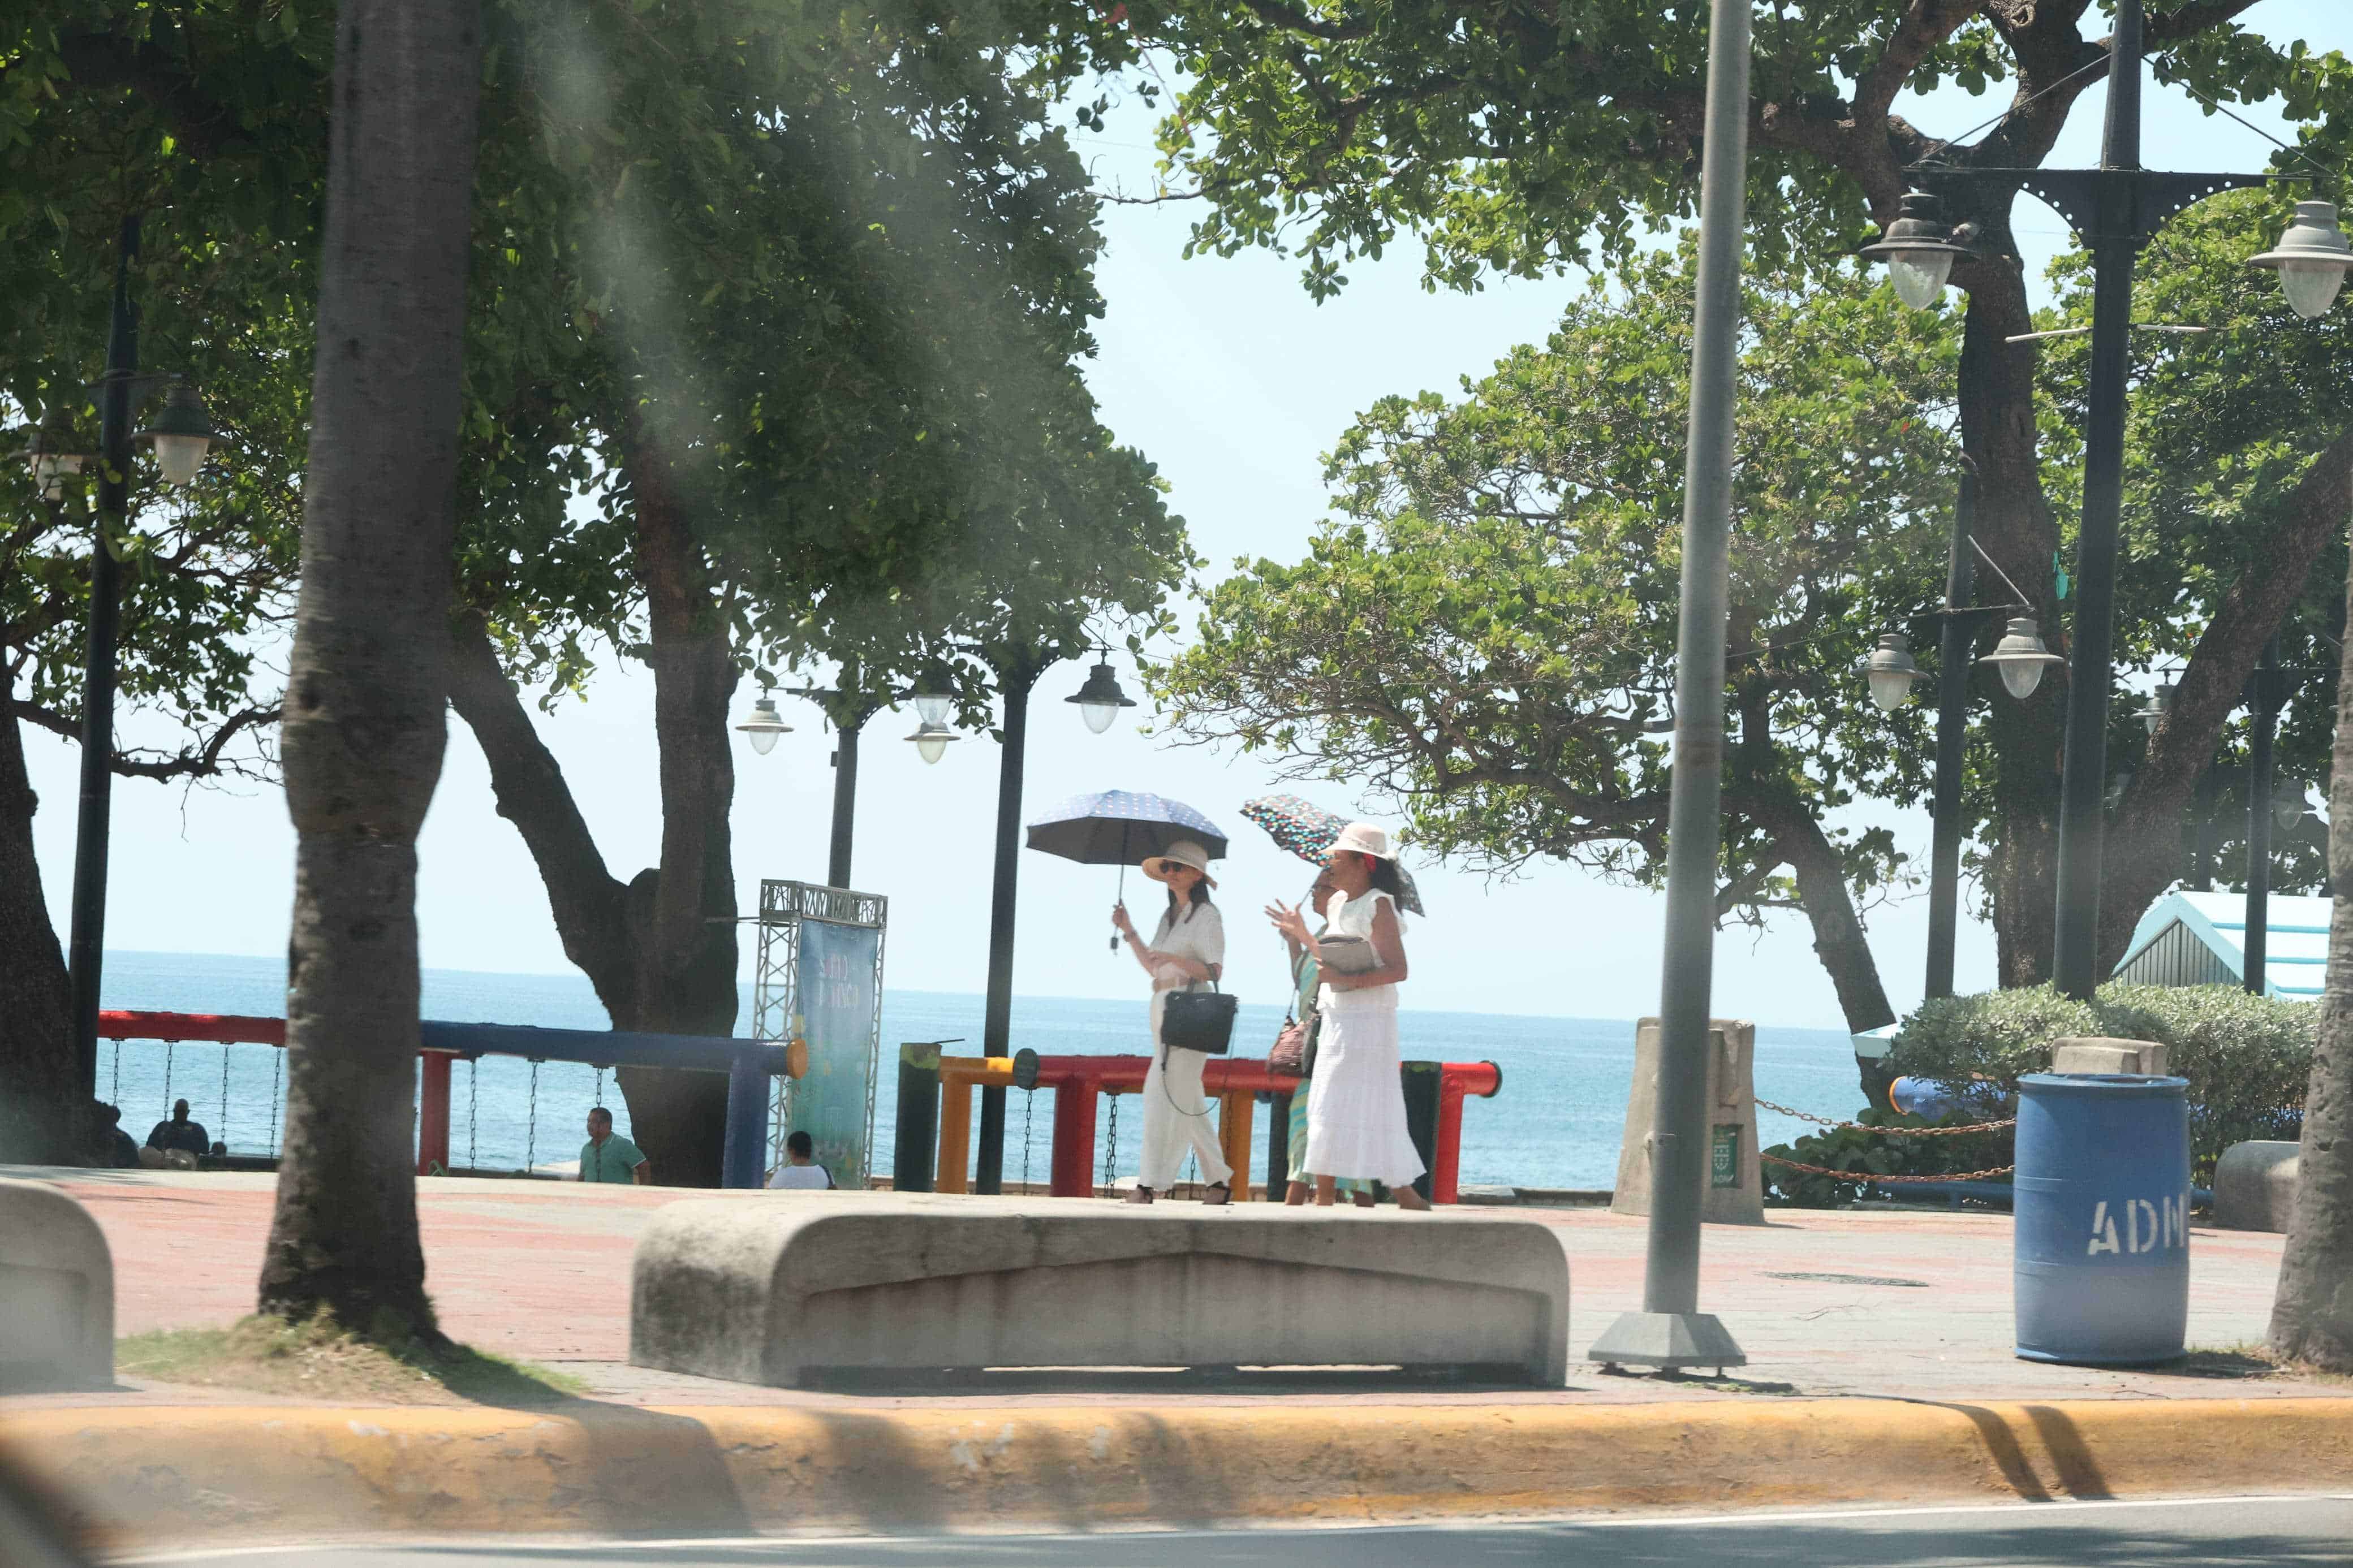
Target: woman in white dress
x=1356 y=1101
x=1187 y=950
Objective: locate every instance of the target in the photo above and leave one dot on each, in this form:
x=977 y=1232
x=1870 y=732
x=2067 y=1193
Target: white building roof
x=2296 y=945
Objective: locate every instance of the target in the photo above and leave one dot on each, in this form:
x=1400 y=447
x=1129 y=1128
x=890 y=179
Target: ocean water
x=1556 y=1123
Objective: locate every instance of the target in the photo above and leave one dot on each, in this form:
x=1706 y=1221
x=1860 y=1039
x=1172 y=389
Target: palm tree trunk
x=2312 y=1315
x=364 y=723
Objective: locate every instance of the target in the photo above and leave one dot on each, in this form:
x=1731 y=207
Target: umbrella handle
x=1122 y=888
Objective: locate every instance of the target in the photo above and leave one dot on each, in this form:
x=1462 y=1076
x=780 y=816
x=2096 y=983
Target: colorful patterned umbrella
x=1309 y=831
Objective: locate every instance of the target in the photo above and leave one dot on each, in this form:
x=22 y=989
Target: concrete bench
x=57 y=1292
x=775 y=1289
x=2254 y=1186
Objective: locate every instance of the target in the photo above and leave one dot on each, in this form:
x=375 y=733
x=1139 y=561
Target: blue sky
x=1235 y=382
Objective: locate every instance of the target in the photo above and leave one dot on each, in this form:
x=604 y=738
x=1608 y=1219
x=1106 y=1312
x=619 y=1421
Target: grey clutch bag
x=1349 y=956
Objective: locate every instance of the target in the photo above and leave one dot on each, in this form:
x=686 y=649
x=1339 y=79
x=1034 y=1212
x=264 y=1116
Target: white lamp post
x=181 y=436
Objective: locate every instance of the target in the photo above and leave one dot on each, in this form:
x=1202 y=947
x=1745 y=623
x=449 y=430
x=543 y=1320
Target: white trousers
x=1170 y=1093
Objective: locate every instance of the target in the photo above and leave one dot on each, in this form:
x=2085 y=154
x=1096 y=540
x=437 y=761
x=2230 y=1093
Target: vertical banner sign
x=835 y=1013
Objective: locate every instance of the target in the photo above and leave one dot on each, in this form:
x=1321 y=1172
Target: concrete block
x=2093 y=1054
x=2254 y=1186
x=57 y=1292
x=773 y=1290
x=1732 y=1184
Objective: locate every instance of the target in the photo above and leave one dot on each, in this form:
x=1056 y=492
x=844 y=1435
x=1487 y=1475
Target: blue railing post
x=745 y=1156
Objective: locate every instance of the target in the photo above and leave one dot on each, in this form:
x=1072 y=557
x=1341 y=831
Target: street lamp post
x=2114 y=209
x=1670 y=1330
x=180 y=436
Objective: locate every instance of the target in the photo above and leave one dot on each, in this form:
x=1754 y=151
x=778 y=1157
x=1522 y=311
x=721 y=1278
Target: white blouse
x=1193 y=930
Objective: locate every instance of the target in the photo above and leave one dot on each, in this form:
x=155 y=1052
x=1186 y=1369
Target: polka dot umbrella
x=1309 y=831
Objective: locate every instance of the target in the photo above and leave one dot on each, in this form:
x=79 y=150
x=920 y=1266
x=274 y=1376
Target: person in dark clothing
x=189 y=1137
x=119 y=1144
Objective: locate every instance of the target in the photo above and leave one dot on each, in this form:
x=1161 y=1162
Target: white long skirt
x=1177 y=1116
x=1356 y=1100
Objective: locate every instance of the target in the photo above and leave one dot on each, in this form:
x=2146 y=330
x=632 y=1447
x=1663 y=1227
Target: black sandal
x=1225 y=1188
x=1141 y=1194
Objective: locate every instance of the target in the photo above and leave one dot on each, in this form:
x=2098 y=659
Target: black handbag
x=1198 y=1021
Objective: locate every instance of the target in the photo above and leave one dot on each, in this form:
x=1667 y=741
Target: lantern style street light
x=931 y=741
x=2311 y=259
x=2021 y=657
x=55 y=453
x=1919 y=248
x=1100 y=699
x=181 y=436
x=2288 y=807
x=761 y=724
x=1891 y=670
x=2161 y=702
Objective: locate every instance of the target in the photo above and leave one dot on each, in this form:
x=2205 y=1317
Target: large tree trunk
x=2143 y=845
x=44 y=1117
x=1839 y=940
x=366 y=722
x=2312 y=1315
x=661 y=950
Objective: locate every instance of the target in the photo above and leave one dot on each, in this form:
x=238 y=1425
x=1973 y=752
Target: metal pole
x=1670 y=1331
x=1954 y=647
x=87 y=946
x=996 y=1023
x=2075 y=964
x=845 y=800
x=2262 y=723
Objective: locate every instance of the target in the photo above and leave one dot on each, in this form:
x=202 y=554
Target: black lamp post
x=1017 y=675
x=2114 y=209
x=180 y=436
x=849 y=710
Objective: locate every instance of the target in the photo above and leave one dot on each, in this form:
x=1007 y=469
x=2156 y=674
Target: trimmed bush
x=2247 y=1057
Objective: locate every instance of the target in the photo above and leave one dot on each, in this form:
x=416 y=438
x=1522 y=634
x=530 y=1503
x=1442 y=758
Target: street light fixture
x=1100 y=699
x=55 y=454
x=2021 y=658
x=2311 y=260
x=1891 y=671
x=2288 y=804
x=2161 y=702
x=762 y=725
x=1919 y=249
x=932 y=738
x=181 y=436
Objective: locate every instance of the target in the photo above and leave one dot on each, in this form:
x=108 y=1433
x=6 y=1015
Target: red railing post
x=1456 y=1080
x=1073 y=1173
x=433 y=1112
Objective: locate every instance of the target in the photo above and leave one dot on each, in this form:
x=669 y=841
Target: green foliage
x=1865 y=1155
x=1487 y=634
x=1515 y=139
x=2248 y=1058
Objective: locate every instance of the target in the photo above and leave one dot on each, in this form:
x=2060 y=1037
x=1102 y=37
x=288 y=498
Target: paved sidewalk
x=1904 y=1305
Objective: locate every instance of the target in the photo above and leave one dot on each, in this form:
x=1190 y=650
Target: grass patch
x=321 y=1360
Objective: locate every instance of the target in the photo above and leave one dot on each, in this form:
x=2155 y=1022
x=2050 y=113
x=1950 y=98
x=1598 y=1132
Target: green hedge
x=2247 y=1057
x=1859 y=1156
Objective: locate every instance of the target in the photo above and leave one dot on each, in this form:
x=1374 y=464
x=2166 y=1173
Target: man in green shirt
x=609 y=1157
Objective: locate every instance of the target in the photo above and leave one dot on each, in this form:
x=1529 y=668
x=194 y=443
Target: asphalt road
x=2189 y=1533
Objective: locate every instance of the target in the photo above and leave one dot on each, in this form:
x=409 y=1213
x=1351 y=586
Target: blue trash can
x=2102 y=1245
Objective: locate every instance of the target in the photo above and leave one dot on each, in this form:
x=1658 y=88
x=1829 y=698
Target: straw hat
x=1365 y=840
x=1184 y=852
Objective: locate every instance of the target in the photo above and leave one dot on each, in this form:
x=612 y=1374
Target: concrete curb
x=193 y=1477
